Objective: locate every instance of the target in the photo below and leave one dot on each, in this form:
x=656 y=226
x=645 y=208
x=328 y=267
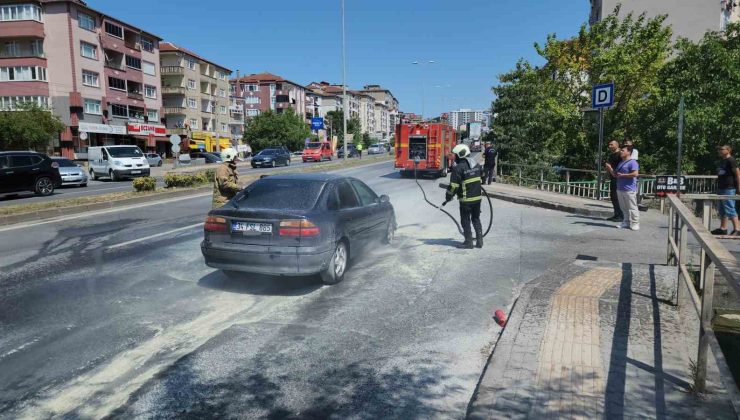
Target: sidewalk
x=589 y=340
x=549 y=200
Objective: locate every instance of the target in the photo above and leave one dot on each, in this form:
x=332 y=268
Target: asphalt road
x=115 y=313
x=105 y=186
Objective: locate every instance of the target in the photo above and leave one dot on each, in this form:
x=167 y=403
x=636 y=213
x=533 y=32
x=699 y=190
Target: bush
x=189 y=180
x=145 y=184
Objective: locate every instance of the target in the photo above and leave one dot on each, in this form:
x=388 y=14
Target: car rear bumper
x=262 y=259
x=74 y=180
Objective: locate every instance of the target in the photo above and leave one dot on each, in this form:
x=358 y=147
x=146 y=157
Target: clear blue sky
x=472 y=41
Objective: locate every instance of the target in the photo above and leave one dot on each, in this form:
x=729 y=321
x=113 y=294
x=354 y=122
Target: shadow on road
x=442 y=242
x=259 y=284
x=595 y=224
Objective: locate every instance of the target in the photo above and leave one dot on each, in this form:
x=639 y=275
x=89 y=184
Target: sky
x=471 y=42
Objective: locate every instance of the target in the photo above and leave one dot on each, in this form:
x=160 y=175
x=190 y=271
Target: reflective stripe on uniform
x=471 y=180
x=453 y=187
x=471 y=199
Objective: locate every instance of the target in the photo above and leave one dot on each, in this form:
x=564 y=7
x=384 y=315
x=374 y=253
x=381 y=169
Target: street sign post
x=602 y=97
x=176 y=149
x=175 y=140
x=317 y=123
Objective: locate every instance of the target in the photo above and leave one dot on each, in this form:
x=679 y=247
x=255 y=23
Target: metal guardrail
x=582 y=182
x=714 y=256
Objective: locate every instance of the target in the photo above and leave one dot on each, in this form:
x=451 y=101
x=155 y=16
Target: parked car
x=317 y=151
x=209 y=157
x=28 y=171
x=377 y=149
x=72 y=174
x=352 y=151
x=117 y=162
x=271 y=157
x=154 y=159
x=297 y=224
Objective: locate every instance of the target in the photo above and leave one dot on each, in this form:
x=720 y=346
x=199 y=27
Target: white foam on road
x=146 y=238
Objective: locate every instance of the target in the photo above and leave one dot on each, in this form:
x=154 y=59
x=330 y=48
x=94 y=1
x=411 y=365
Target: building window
x=114 y=30
x=11 y=102
x=90 y=78
x=133 y=62
x=224 y=127
x=192 y=103
x=148 y=68
x=252 y=100
x=22 y=74
x=150 y=91
x=92 y=107
x=282 y=98
x=232 y=89
x=191 y=63
x=191 y=84
x=193 y=123
x=147 y=44
x=152 y=115
x=253 y=112
x=272 y=89
x=136 y=113
x=88 y=50
x=37 y=48
x=86 y=21
x=119 y=110
x=222 y=93
x=117 y=84
x=21 y=12
x=223 y=109
x=251 y=88
x=12 y=49
x=279 y=86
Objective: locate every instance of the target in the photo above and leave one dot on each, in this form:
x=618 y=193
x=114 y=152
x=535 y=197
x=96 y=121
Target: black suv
x=28 y=171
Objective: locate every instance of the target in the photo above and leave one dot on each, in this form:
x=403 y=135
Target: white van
x=117 y=162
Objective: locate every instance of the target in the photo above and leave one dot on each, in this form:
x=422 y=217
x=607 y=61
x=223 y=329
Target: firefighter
x=226 y=181
x=465 y=181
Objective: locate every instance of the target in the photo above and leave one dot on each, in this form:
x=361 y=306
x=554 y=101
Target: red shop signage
x=138 y=129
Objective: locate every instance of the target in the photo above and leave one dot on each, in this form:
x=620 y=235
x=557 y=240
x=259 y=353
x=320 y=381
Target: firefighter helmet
x=229 y=154
x=461 y=150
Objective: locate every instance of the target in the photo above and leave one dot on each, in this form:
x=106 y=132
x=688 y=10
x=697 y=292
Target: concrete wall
x=59 y=58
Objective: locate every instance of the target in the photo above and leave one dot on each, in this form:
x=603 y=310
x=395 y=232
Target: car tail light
x=298 y=228
x=215 y=224
x=55 y=165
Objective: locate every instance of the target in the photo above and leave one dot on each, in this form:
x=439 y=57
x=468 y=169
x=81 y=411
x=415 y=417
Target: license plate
x=135 y=172
x=247 y=227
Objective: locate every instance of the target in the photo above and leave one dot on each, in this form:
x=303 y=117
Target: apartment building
x=385 y=97
x=464 y=116
x=268 y=92
x=97 y=73
x=195 y=98
x=366 y=111
x=689 y=18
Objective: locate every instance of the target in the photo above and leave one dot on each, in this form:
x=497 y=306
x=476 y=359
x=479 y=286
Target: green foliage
x=366 y=140
x=271 y=129
x=189 y=180
x=30 y=127
x=334 y=120
x=146 y=183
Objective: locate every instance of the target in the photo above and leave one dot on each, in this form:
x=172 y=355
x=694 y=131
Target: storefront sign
x=138 y=129
x=666 y=184
x=101 y=128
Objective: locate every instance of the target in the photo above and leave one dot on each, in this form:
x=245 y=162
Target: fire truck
x=428 y=144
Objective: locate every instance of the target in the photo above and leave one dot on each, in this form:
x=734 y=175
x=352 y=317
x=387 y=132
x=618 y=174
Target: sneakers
x=623 y=226
x=615 y=218
x=635 y=227
x=719 y=231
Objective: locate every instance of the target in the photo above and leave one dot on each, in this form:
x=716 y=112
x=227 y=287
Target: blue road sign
x=603 y=96
x=317 y=123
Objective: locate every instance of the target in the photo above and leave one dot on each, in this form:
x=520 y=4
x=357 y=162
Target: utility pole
x=599 y=154
x=344 y=85
x=679 y=158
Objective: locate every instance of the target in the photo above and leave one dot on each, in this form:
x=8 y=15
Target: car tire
x=112 y=175
x=334 y=272
x=390 y=233
x=93 y=176
x=83 y=185
x=43 y=186
x=160 y=163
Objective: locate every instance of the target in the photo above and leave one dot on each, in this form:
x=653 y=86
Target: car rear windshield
x=313 y=145
x=125 y=152
x=267 y=152
x=288 y=194
x=65 y=163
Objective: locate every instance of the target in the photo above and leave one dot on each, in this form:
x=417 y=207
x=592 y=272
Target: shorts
x=726 y=208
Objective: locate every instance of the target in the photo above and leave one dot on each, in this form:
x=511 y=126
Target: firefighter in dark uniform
x=465 y=182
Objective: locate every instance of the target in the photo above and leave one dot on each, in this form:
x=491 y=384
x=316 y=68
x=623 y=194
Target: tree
x=335 y=119
x=30 y=127
x=271 y=129
x=366 y=140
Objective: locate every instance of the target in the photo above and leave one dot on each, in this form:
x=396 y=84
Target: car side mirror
x=385 y=199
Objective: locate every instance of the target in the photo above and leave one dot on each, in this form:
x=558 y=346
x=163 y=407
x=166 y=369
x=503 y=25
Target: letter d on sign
x=603 y=95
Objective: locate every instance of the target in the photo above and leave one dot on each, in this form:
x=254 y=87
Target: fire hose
x=444 y=186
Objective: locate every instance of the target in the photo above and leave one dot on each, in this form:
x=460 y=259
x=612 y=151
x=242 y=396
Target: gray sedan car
x=72 y=173
x=154 y=159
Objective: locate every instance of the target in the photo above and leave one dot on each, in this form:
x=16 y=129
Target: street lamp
x=344 y=85
x=423 y=83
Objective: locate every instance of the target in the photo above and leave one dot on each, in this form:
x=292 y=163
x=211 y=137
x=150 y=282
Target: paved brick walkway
x=593 y=340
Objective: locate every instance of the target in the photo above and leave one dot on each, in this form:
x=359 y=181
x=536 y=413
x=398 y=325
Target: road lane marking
x=146 y=238
x=101 y=212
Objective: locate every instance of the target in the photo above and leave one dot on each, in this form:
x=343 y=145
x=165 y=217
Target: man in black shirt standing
x=489 y=164
x=728 y=183
x=614 y=160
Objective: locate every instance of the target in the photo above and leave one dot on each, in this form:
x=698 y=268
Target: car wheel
x=44 y=186
x=113 y=176
x=93 y=176
x=160 y=163
x=390 y=233
x=83 y=185
x=334 y=272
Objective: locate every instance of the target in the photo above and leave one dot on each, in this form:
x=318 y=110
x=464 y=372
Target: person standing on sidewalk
x=635 y=153
x=359 y=149
x=728 y=183
x=226 y=181
x=613 y=161
x=489 y=163
x=626 y=174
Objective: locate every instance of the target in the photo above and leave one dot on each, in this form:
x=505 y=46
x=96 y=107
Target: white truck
x=117 y=162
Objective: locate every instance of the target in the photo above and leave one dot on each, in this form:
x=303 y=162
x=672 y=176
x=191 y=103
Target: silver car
x=72 y=173
x=154 y=159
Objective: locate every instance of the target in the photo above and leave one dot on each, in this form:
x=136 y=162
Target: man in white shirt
x=635 y=154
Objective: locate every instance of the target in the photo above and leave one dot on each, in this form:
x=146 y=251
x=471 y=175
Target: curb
x=527 y=201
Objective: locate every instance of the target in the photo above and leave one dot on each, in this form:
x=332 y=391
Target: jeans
x=489 y=173
x=726 y=208
x=628 y=204
x=615 y=199
x=470 y=212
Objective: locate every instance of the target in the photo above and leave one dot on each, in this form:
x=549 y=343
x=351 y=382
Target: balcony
x=133 y=45
x=173 y=90
x=210 y=76
x=180 y=131
x=22 y=29
x=236 y=122
x=114 y=65
x=207 y=110
x=174 y=110
x=172 y=70
x=135 y=95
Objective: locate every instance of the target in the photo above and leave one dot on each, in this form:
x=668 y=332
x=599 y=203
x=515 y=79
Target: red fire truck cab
x=430 y=144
